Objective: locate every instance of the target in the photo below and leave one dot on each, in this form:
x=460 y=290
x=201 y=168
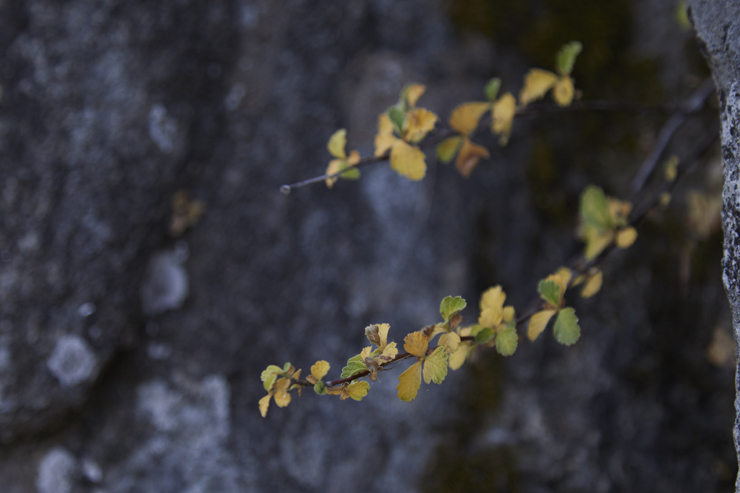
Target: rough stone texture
x=130 y=361
x=718 y=26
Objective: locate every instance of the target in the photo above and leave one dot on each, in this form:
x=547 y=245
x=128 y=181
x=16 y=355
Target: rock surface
x=130 y=360
x=718 y=27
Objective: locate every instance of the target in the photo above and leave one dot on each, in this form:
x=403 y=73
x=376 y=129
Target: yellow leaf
x=385 y=125
x=465 y=331
x=416 y=343
x=383 y=334
x=419 y=122
x=353 y=159
x=469 y=157
x=450 y=341
x=508 y=313
x=503 y=117
x=384 y=139
x=538 y=322
x=536 y=84
x=335 y=166
x=264 y=404
x=356 y=390
x=320 y=369
x=413 y=93
x=435 y=366
x=596 y=241
x=409 y=382
x=383 y=142
x=492 y=307
x=389 y=352
x=593 y=284
x=565 y=274
x=619 y=211
x=563 y=91
x=336 y=390
x=626 y=237
x=408 y=160
x=458 y=357
x=282 y=397
x=447 y=148
x=465 y=117
x=337 y=143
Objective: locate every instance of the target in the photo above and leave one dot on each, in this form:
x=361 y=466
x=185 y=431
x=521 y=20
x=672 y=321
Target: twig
x=578 y=264
x=531 y=110
x=693 y=104
x=596 y=105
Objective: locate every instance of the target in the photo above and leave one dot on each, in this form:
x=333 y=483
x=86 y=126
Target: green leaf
x=451 y=306
x=435 y=366
x=549 y=291
x=566 y=329
x=354 y=366
x=492 y=87
x=475 y=329
x=595 y=208
x=447 y=148
x=320 y=388
x=566 y=57
x=397 y=115
x=507 y=341
x=484 y=335
x=352 y=173
x=270 y=375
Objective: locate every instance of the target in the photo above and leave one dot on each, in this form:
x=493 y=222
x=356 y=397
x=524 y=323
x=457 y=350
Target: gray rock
x=124 y=368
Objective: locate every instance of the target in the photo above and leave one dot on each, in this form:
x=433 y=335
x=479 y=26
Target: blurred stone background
x=130 y=360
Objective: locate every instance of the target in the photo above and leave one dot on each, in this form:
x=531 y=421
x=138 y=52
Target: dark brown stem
x=532 y=110
x=365 y=373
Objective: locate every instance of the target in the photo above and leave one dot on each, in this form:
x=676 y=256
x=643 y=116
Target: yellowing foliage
x=538 y=322
x=469 y=156
x=402 y=126
x=336 y=146
x=503 y=117
x=465 y=117
x=604 y=220
x=536 y=84
x=413 y=92
x=320 y=369
x=492 y=307
x=416 y=343
x=434 y=366
x=419 y=123
x=409 y=382
x=465 y=120
x=408 y=160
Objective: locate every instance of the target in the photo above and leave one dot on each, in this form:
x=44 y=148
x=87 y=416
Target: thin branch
x=531 y=111
x=693 y=104
x=596 y=105
x=578 y=264
x=286 y=189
